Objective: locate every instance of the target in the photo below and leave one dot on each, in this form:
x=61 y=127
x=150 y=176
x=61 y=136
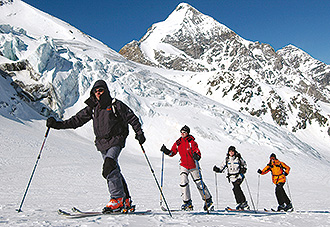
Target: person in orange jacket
x=279 y=172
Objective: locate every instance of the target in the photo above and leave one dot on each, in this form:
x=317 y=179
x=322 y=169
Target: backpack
x=276 y=168
x=242 y=169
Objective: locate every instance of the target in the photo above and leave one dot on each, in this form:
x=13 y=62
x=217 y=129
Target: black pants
x=239 y=195
x=127 y=195
x=281 y=196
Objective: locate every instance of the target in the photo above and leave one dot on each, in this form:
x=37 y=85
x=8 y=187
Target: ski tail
x=172 y=210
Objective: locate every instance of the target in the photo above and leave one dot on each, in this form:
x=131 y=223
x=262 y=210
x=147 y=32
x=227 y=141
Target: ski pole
x=200 y=176
x=161 y=179
x=153 y=173
x=216 y=188
x=34 y=169
x=250 y=195
x=258 y=191
x=289 y=189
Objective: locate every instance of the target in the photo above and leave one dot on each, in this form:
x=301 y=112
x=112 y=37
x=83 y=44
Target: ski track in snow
x=69 y=174
x=69 y=171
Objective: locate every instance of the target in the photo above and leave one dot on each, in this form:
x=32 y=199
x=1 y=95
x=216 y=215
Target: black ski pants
x=281 y=196
x=239 y=195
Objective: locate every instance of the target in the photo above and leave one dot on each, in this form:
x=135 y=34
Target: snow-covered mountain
x=53 y=70
x=288 y=88
x=47 y=67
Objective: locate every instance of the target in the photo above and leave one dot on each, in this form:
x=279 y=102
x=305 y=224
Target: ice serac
x=50 y=60
x=287 y=87
x=49 y=67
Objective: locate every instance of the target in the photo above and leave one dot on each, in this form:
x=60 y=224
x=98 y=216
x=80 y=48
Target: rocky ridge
x=288 y=85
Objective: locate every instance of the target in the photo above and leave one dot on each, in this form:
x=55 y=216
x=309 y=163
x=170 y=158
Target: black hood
x=105 y=98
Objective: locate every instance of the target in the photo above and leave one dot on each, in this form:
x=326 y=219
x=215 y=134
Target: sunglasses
x=99 y=90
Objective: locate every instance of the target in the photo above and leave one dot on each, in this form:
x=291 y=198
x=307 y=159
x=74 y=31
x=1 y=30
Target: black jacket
x=110 y=126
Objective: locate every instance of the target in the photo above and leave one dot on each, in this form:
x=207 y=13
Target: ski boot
x=288 y=207
x=243 y=206
x=128 y=207
x=187 y=205
x=281 y=207
x=208 y=205
x=114 y=205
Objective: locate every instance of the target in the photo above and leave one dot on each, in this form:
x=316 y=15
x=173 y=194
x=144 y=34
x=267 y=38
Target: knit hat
x=273 y=156
x=186 y=129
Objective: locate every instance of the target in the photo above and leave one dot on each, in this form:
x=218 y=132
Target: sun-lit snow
x=69 y=171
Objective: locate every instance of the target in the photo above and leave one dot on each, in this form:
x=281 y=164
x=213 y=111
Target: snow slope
x=69 y=174
x=69 y=171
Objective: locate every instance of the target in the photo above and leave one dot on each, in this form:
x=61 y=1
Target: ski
x=172 y=210
x=211 y=208
x=313 y=211
x=257 y=212
x=273 y=210
x=298 y=211
x=238 y=210
x=177 y=210
x=76 y=213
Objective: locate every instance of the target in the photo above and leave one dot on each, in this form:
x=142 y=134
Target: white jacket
x=233 y=166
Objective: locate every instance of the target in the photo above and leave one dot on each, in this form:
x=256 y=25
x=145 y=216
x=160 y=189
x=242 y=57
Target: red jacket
x=186 y=147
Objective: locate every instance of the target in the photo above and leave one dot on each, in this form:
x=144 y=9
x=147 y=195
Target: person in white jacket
x=236 y=168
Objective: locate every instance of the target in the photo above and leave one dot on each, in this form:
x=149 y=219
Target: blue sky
x=303 y=23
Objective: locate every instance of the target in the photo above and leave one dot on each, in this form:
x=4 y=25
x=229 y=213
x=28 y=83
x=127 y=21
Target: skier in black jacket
x=110 y=122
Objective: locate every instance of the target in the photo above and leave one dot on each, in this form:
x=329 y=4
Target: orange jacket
x=277 y=168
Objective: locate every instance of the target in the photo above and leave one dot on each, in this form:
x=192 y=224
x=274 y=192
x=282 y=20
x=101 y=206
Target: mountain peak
x=184 y=13
x=184 y=7
x=186 y=34
x=236 y=70
x=3 y=2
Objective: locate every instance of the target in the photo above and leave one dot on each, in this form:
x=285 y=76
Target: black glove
x=165 y=150
x=259 y=171
x=140 y=137
x=242 y=170
x=52 y=123
x=285 y=173
x=196 y=156
x=216 y=169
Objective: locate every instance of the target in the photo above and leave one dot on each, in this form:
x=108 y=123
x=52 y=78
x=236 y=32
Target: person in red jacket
x=190 y=154
x=279 y=172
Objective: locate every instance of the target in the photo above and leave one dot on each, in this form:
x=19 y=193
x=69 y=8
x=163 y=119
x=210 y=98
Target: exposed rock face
x=133 y=52
x=288 y=85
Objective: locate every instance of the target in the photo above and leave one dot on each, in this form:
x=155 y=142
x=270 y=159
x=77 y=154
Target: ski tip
x=62 y=212
x=75 y=209
x=163 y=208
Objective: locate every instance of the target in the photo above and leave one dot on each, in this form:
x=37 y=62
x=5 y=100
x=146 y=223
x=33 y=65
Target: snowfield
x=67 y=62
x=69 y=174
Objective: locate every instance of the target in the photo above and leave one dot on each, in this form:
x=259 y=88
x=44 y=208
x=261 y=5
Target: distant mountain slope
x=287 y=88
x=51 y=75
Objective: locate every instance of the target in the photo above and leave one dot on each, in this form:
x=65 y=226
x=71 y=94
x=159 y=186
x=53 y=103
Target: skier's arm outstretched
x=220 y=169
x=78 y=120
x=172 y=152
x=264 y=171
